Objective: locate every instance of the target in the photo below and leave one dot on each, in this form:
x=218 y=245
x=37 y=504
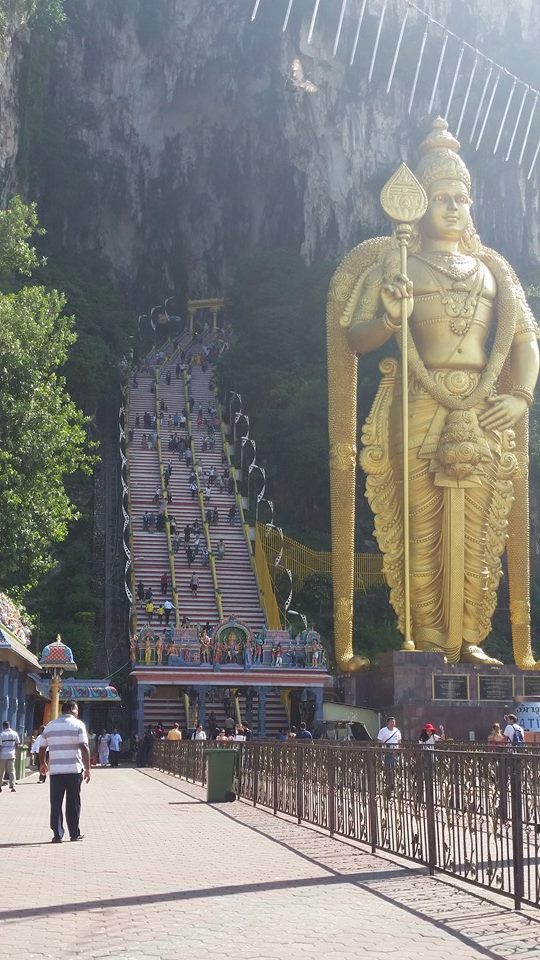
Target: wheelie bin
x=220 y=769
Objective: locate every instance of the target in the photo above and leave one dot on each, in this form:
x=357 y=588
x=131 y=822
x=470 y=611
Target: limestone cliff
x=162 y=132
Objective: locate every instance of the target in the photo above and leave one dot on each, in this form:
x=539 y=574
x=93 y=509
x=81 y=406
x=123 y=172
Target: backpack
x=518 y=739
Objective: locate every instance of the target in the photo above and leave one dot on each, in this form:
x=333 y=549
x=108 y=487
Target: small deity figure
x=172 y=650
x=232 y=647
x=205 y=647
x=248 y=655
x=259 y=648
x=473 y=363
x=133 y=649
x=159 y=650
x=148 y=650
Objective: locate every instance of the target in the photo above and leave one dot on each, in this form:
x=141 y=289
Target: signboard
x=495 y=687
x=451 y=687
x=528 y=715
x=531 y=686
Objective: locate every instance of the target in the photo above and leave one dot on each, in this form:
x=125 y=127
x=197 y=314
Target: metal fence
x=474 y=815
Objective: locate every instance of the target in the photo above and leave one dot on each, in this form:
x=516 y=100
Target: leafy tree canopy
x=44 y=12
x=278 y=363
x=42 y=433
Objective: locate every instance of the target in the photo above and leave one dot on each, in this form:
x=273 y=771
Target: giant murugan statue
x=472 y=368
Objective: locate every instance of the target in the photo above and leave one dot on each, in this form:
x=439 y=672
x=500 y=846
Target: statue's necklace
x=461 y=301
x=455 y=266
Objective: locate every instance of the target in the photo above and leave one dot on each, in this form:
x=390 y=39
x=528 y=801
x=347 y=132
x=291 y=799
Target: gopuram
x=444 y=517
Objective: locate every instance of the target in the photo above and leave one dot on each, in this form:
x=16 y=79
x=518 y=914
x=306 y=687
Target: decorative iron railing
x=474 y=815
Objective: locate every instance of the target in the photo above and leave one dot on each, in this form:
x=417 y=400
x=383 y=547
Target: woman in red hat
x=429 y=736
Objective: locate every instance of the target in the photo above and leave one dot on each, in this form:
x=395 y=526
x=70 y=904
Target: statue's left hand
x=505 y=412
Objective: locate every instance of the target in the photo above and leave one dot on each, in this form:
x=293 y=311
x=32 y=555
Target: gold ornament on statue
x=445 y=443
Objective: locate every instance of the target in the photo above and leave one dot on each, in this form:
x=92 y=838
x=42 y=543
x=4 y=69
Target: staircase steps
x=184 y=509
x=236 y=579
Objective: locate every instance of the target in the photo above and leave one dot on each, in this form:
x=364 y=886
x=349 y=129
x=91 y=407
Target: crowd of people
x=513 y=734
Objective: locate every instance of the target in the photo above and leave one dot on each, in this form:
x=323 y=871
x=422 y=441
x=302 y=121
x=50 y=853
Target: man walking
x=9 y=741
x=115 y=747
x=66 y=740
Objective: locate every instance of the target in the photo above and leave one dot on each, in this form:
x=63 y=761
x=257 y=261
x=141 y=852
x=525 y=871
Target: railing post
x=372 y=797
x=331 y=789
x=239 y=768
x=256 y=754
x=428 y=760
x=516 y=787
x=299 y=793
x=276 y=755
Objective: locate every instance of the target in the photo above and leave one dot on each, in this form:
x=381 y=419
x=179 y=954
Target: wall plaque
x=531 y=686
x=495 y=687
x=451 y=687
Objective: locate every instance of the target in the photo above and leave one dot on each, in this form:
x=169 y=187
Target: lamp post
x=56 y=658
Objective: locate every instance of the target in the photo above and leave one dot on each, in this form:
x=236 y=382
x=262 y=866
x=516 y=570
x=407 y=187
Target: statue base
x=421 y=688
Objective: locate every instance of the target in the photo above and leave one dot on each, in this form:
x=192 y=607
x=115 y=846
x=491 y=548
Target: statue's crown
x=440 y=158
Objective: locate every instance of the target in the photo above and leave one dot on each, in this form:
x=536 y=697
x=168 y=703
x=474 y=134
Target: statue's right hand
x=393 y=293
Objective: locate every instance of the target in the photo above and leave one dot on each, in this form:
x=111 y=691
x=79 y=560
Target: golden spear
x=404 y=201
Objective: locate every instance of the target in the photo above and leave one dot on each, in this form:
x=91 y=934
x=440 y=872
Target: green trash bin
x=220 y=768
x=20 y=762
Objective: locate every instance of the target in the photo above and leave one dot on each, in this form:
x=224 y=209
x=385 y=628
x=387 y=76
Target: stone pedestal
x=421 y=688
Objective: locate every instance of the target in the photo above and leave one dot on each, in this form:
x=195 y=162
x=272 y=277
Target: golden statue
x=472 y=368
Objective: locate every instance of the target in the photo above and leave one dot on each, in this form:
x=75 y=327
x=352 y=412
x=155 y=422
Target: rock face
x=163 y=133
x=15 y=40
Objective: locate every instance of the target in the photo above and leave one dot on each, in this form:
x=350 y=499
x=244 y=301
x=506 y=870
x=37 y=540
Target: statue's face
x=448 y=212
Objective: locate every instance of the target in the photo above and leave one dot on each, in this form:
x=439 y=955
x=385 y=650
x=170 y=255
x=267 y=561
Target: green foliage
x=374 y=629
x=374 y=625
x=18 y=224
x=46 y=13
x=42 y=433
x=65 y=600
x=278 y=363
x=104 y=326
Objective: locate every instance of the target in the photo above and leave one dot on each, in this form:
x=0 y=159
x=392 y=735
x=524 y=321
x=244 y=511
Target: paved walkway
x=162 y=875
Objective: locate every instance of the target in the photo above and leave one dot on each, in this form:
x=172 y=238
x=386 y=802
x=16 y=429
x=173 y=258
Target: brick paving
x=162 y=875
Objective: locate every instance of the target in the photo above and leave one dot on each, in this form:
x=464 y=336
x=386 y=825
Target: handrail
x=245 y=525
x=174 y=589
x=412 y=802
x=200 y=497
x=266 y=587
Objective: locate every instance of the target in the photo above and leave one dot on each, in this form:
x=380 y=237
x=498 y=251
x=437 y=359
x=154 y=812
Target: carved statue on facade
x=472 y=371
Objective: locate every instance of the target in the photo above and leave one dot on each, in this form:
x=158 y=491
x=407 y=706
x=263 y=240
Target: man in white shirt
x=115 y=746
x=199 y=734
x=9 y=741
x=512 y=731
x=66 y=740
x=389 y=736
x=35 y=750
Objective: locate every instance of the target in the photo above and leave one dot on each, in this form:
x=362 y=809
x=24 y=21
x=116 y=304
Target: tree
x=42 y=433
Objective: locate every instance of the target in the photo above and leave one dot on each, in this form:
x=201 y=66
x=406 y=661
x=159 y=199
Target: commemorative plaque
x=531 y=686
x=450 y=687
x=494 y=687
